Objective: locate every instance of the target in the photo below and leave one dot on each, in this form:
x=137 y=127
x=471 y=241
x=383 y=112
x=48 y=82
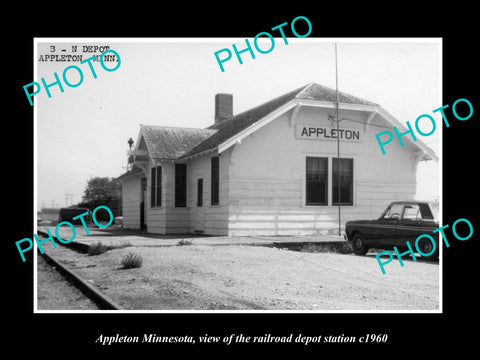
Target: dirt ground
x=234 y=277
x=54 y=292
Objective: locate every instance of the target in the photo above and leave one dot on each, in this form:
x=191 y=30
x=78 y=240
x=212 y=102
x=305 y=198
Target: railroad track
x=101 y=300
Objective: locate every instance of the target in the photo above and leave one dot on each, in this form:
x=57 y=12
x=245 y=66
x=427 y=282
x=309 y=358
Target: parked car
x=401 y=221
x=67 y=214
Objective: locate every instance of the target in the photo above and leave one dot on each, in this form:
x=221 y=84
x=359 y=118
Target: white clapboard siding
x=268 y=210
x=131 y=188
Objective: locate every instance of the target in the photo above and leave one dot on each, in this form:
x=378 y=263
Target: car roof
x=413 y=202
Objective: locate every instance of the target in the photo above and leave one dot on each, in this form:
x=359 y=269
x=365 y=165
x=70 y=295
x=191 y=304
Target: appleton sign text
x=327 y=133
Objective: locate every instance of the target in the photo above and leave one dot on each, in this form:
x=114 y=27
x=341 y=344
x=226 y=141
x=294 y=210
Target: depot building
x=270 y=170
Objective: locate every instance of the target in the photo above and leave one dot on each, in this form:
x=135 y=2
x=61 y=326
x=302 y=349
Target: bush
x=131 y=260
x=97 y=249
x=184 y=242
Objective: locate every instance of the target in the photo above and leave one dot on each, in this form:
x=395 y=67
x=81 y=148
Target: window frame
x=199 y=192
x=215 y=181
x=335 y=182
x=180 y=185
x=156 y=186
x=326 y=182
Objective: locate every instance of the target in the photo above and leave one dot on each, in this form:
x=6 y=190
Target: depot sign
x=327 y=133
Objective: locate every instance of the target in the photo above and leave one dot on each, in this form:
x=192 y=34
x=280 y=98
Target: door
x=199 y=215
x=143 y=196
x=389 y=223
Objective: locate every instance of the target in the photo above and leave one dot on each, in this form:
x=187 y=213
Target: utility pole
x=338 y=144
x=68 y=196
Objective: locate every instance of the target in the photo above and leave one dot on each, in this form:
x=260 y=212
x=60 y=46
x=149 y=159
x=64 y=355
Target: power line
x=53 y=203
x=365 y=123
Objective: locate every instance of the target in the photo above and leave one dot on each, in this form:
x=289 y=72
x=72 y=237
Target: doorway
x=143 y=196
x=199 y=215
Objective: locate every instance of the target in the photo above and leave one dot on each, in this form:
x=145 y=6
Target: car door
x=387 y=224
x=408 y=227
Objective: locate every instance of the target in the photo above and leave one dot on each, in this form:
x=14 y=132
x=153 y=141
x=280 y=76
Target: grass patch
x=131 y=260
x=122 y=244
x=342 y=248
x=97 y=249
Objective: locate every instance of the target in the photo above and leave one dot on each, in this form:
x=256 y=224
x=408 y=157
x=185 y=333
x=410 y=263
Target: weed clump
x=184 y=242
x=97 y=249
x=131 y=260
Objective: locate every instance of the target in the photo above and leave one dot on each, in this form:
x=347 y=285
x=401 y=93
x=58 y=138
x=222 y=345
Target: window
x=153 y=190
x=200 y=192
x=344 y=178
x=317 y=181
x=215 y=183
x=417 y=212
x=394 y=212
x=156 y=187
x=180 y=185
x=412 y=212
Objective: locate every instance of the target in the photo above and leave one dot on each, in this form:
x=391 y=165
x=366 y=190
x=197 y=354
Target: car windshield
x=393 y=212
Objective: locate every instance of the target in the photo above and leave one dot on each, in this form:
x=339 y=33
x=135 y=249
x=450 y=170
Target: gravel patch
x=203 y=277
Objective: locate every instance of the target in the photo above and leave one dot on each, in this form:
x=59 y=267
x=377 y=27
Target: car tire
x=358 y=245
x=425 y=247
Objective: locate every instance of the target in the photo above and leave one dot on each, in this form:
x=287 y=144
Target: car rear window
x=426 y=212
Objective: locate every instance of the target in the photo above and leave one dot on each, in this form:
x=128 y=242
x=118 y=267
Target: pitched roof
x=176 y=143
x=172 y=142
x=230 y=127
x=134 y=171
x=323 y=93
x=225 y=129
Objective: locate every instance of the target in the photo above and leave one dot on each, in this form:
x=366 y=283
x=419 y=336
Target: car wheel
x=358 y=245
x=426 y=247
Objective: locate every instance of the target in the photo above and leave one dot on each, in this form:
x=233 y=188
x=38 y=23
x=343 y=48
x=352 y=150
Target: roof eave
x=198 y=154
x=333 y=104
x=428 y=153
x=127 y=174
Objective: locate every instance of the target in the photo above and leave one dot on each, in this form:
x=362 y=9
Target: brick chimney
x=223 y=107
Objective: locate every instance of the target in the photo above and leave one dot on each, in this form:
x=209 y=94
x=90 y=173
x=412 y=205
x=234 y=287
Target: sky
x=83 y=132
